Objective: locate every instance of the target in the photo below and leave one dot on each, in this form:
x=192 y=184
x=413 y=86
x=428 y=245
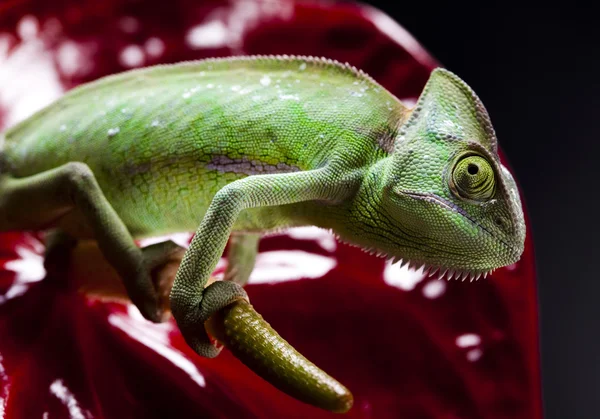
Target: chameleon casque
x=245 y=145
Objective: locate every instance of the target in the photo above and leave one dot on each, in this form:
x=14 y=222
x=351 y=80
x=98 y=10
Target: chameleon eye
x=473 y=178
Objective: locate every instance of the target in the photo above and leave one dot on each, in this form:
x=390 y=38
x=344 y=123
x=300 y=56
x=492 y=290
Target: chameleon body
x=252 y=144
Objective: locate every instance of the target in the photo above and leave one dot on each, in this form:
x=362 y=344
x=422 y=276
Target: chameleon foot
x=215 y=297
x=162 y=261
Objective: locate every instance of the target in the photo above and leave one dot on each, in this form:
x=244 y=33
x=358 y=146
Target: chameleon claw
x=254 y=342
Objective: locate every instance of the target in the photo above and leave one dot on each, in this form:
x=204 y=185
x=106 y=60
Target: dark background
x=537 y=70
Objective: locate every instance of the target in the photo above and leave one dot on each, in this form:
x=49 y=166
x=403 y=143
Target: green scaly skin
x=253 y=144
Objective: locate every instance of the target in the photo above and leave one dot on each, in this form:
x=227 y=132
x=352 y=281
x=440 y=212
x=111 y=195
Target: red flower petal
x=406 y=346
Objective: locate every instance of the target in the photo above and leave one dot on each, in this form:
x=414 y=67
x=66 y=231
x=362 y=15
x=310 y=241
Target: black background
x=538 y=72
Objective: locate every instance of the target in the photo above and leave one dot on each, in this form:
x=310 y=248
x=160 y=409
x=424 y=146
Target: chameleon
x=233 y=148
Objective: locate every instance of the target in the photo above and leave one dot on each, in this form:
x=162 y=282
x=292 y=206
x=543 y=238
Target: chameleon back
x=166 y=139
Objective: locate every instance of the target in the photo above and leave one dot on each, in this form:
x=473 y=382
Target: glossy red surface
x=407 y=346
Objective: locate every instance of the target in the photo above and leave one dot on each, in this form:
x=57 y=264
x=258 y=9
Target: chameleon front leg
x=42 y=200
x=241 y=257
x=191 y=304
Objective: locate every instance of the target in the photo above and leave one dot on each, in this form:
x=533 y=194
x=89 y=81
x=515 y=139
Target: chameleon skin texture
x=162 y=141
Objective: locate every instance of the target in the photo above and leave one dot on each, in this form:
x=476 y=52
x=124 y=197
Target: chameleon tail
x=254 y=342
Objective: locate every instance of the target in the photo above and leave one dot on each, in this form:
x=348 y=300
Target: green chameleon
x=246 y=145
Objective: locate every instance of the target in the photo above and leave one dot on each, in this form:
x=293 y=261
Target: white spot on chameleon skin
x=404 y=278
x=210 y=86
x=289 y=97
x=235 y=88
x=256 y=97
x=186 y=95
x=63 y=128
x=302 y=67
x=467 y=340
x=434 y=289
x=155 y=123
x=113 y=131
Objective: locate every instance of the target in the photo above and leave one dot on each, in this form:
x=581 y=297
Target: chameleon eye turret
x=473 y=178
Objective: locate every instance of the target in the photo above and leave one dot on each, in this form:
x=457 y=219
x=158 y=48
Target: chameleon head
x=447 y=202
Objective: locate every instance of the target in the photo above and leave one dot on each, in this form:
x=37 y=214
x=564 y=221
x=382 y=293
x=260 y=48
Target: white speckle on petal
x=289 y=265
x=474 y=354
x=434 y=289
x=132 y=56
x=325 y=239
x=155 y=337
x=404 y=278
x=129 y=24
x=62 y=393
x=154 y=47
x=71 y=58
x=212 y=34
x=28 y=27
x=467 y=340
x=409 y=102
x=29 y=268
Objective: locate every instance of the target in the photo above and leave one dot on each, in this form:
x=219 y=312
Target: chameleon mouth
x=431 y=197
x=428 y=269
